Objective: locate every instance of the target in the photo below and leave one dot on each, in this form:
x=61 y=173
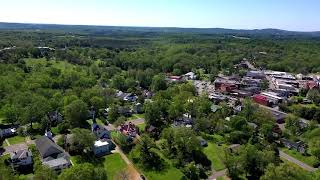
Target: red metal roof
x=261 y=97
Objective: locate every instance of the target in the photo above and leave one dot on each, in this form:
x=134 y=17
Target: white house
x=101 y=148
x=190 y=76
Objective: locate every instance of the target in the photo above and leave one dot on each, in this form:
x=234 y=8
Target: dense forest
x=138 y=48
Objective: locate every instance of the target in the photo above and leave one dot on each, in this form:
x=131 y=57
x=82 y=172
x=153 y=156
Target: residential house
x=153 y=131
x=100 y=132
x=126 y=96
x=21 y=158
x=234 y=147
x=125 y=110
x=138 y=108
x=55 y=117
x=7 y=132
x=186 y=120
x=190 y=76
x=130 y=97
x=102 y=147
x=51 y=154
x=242 y=64
x=147 y=94
x=128 y=129
x=175 y=79
x=298 y=146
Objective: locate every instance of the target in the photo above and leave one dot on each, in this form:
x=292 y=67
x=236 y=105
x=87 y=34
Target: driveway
x=297 y=162
x=137 y=121
x=133 y=172
x=15 y=147
x=217 y=174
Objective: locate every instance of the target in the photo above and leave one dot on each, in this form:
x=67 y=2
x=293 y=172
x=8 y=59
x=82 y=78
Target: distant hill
x=124 y=29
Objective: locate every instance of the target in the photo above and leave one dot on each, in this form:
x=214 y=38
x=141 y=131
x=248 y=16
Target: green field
x=215 y=154
x=1 y=119
x=112 y=163
x=142 y=126
x=99 y=122
x=136 y=116
x=169 y=173
x=62 y=65
x=291 y=164
x=16 y=140
x=54 y=130
x=310 y=160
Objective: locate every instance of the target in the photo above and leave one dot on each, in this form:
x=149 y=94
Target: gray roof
x=56 y=162
x=21 y=154
x=46 y=147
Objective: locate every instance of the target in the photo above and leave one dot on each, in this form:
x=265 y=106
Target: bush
x=120 y=121
x=63 y=128
x=60 y=141
x=21 y=131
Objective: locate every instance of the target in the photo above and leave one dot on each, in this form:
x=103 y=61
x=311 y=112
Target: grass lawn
x=142 y=126
x=16 y=140
x=310 y=160
x=170 y=173
x=99 y=122
x=112 y=163
x=62 y=65
x=26 y=176
x=213 y=137
x=223 y=178
x=292 y=164
x=136 y=116
x=214 y=154
x=54 y=130
x=1 y=119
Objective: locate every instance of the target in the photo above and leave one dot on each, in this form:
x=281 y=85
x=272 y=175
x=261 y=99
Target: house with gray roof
x=52 y=155
x=21 y=158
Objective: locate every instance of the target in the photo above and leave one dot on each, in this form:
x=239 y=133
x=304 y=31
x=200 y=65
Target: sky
x=297 y=15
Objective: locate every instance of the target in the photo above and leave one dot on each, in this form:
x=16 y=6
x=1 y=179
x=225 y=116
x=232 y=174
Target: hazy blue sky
x=302 y=15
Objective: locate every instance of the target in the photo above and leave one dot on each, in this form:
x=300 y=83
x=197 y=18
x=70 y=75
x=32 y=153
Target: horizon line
x=177 y=27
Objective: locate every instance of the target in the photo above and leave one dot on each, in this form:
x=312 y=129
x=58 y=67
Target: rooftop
x=100 y=143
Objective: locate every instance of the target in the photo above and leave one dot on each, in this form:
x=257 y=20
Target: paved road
x=217 y=174
x=297 y=162
x=137 y=121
